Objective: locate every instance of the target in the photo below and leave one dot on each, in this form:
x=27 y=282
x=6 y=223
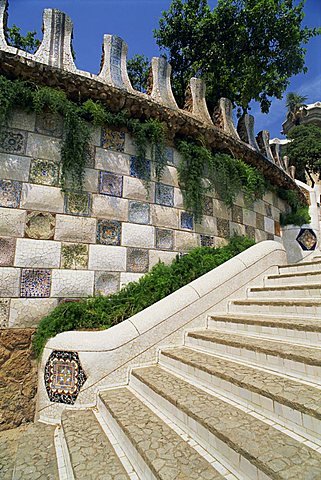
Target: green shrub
x=299 y=214
x=104 y=312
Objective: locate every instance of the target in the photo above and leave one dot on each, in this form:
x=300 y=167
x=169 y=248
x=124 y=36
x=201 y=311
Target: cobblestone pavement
x=284 y=390
x=92 y=455
x=309 y=355
x=36 y=456
x=306 y=324
x=276 y=454
x=167 y=454
x=8 y=448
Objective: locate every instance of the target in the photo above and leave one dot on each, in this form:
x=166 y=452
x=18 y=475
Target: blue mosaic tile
x=108 y=232
x=138 y=212
x=137 y=260
x=111 y=184
x=136 y=171
x=164 y=239
x=35 y=283
x=10 y=193
x=77 y=203
x=164 y=195
x=113 y=140
x=169 y=155
x=207 y=241
x=187 y=221
x=44 y=172
x=13 y=141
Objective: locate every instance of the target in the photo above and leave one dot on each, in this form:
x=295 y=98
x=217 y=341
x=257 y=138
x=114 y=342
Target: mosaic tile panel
x=40 y=225
x=13 y=141
x=64 y=377
x=187 y=221
x=208 y=206
x=10 y=193
x=223 y=228
x=108 y=232
x=35 y=283
x=90 y=156
x=268 y=210
x=44 y=172
x=74 y=256
x=138 y=212
x=106 y=283
x=168 y=153
x=7 y=251
x=113 y=140
x=237 y=214
x=307 y=239
x=111 y=184
x=164 y=239
x=250 y=232
x=164 y=195
x=4 y=312
x=135 y=170
x=137 y=260
x=259 y=221
x=49 y=123
x=207 y=241
x=77 y=203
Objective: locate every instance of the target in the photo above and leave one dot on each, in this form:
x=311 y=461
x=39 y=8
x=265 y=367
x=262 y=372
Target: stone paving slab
x=9 y=440
x=291 y=323
x=294 y=394
x=299 y=353
x=36 y=455
x=279 y=456
x=168 y=456
x=92 y=455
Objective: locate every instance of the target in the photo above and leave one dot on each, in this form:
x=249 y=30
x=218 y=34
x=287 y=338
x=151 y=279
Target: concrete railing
x=107 y=356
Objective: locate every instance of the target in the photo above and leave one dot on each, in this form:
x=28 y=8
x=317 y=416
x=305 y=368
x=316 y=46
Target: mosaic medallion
x=164 y=239
x=49 y=124
x=164 y=195
x=7 y=251
x=35 y=283
x=187 y=221
x=12 y=141
x=113 y=140
x=138 y=212
x=44 y=172
x=137 y=260
x=40 y=225
x=10 y=192
x=74 y=256
x=108 y=232
x=64 y=377
x=207 y=241
x=139 y=169
x=307 y=239
x=4 y=312
x=111 y=184
x=77 y=203
x=223 y=227
x=106 y=283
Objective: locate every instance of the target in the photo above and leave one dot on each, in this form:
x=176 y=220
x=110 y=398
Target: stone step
x=91 y=453
x=292 y=402
x=36 y=454
x=296 y=360
x=308 y=277
x=301 y=267
x=160 y=453
x=302 y=330
x=286 y=291
x=274 y=306
x=256 y=449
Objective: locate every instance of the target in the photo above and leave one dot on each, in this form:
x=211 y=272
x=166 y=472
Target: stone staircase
x=241 y=399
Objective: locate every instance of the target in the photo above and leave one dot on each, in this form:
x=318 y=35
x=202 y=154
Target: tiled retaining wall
x=55 y=246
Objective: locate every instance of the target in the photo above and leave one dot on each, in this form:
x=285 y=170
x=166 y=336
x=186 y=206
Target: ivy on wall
x=299 y=214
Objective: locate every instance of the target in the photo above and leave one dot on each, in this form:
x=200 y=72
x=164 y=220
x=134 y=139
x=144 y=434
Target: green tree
x=245 y=49
x=304 y=151
x=295 y=104
x=29 y=43
x=138 y=70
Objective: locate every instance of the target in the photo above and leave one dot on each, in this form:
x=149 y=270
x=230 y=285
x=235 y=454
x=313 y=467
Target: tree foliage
x=295 y=104
x=245 y=49
x=138 y=69
x=304 y=151
x=29 y=43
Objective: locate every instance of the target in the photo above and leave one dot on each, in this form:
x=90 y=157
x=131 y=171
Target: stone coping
x=261 y=444
x=291 y=323
x=294 y=394
x=298 y=353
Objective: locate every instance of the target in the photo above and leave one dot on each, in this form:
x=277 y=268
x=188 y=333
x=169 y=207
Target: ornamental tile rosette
x=307 y=239
x=64 y=377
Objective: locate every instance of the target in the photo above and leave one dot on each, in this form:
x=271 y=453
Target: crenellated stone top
x=53 y=64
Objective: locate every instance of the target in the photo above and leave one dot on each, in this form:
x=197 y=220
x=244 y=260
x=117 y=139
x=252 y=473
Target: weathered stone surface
x=185 y=240
x=27 y=312
x=134 y=189
x=37 y=253
x=14 y=167
x=12 y=222
x=72 y=283
x=138 y=235
x=164 y=216
x=106 y=257
x=43 y=198
x=9 y=443
x=112 y=208
x=156 y=256
x=9 y=282
x=41 y=146
x=18 y=378
x=110 y=161
x=75 y=229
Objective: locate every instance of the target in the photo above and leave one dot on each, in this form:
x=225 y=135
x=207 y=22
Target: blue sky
x=134 y=21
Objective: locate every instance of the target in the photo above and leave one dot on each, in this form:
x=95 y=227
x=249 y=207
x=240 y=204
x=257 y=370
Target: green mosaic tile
x=74 y=256
x=77 y=203
x=44 y=172
x=40 y=225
